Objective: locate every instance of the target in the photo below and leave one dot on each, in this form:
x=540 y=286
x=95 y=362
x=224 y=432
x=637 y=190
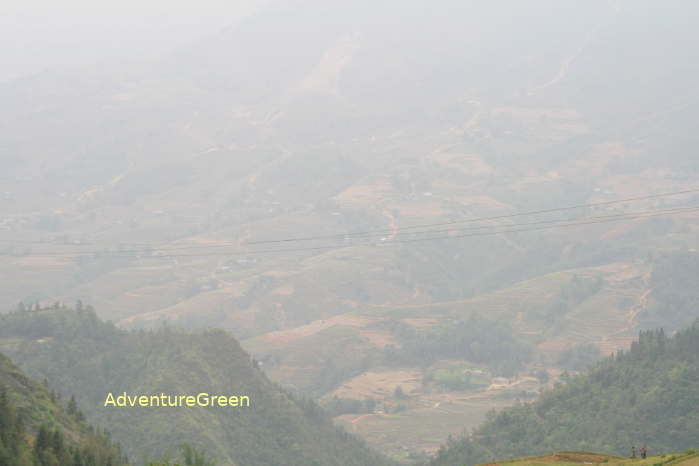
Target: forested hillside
x=81 y=355
x=674 y=299
x=38 y=428
x=648 y=394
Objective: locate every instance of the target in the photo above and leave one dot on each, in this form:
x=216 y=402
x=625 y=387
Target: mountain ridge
x=79 y=354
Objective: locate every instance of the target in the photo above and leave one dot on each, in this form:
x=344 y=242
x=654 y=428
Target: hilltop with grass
x=689 y=457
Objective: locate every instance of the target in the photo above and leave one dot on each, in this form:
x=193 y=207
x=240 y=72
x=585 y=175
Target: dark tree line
x=475 y=339
x=49 y=446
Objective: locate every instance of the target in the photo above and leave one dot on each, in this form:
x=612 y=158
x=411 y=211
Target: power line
x=612 y=217
x=570 y=224
x=224 y=244
x=376 y=232
x=389 y=243
x=544 y=222
x=478 y=219
x=514 y=228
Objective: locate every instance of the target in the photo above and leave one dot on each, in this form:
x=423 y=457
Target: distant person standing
x=644 y=452
x=633 y=451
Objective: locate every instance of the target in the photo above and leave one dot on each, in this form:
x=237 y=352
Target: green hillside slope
x=35 y=428
x=648 y=394
x=79 y=354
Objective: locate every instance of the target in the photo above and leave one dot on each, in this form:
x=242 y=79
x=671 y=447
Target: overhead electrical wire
x=450 y=230
x=156 y=253
x=369 y=233
x=480 y=219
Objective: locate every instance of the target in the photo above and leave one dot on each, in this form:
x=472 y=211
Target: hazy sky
x=37 y=34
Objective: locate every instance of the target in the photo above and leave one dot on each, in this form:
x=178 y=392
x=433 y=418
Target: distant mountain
x=315 y=117
x=79 y=354
x=647 y=395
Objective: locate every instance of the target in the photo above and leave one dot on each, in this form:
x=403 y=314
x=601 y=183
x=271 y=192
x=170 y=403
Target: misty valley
x=351 y=233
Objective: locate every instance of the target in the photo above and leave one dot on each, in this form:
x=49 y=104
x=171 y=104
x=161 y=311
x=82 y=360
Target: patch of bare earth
x=378 y=338
x=297 y=333
x=379 y=384
x=420 y=322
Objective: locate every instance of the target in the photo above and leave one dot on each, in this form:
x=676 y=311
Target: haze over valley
x=410 y=213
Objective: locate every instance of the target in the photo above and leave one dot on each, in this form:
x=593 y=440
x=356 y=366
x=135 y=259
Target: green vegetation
x=476 y=339
x=674 y=301
x=79 y=354
x=190 y=456
x=36 y=431
x=648 y=394
x=337 y=406
x=571 y=294
x=458 y=379
x=579 y=357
